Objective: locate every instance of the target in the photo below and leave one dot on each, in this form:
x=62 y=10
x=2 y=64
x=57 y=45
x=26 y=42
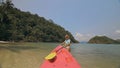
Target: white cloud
x=117 y=31
x=83 y=37
x=86 y=37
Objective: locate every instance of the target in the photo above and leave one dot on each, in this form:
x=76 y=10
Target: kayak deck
x=63 y=59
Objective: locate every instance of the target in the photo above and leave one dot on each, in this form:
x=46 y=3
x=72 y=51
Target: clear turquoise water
x=97 y=55
x=31 y=55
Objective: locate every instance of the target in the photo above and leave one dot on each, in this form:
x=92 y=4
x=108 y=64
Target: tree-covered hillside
x=16 y=25
x=102 y=40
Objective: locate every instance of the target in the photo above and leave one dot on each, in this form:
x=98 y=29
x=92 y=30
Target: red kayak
x=63 y=59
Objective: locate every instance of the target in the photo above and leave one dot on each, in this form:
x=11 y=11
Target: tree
x=16 y=25
x=4 y=20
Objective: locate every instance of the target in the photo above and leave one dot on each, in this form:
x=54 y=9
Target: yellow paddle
x=53 y=54
x=50 y=56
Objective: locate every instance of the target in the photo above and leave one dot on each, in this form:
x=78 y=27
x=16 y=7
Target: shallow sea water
x=31 y=55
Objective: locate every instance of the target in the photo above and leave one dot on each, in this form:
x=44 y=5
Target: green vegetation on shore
x=16 y=25
x=103 y=40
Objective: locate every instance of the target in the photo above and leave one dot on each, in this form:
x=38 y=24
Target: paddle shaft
x=61 y=48
x=51 y=55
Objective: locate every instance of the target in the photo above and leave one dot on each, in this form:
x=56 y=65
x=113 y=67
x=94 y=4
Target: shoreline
x=4 y=42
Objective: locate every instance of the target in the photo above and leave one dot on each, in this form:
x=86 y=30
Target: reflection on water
x=31 y=55
x=17 y=48
x=0 y=66
x=24 y=55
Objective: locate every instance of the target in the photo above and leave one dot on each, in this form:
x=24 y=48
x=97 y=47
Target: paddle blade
x=50 y=56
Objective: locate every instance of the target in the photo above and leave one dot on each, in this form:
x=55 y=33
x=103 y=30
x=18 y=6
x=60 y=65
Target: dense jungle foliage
x=17 y=25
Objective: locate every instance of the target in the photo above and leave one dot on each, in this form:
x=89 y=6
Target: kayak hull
x=63 y=59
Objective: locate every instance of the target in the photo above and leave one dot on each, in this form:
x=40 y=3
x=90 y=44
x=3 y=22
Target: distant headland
x=103 y=40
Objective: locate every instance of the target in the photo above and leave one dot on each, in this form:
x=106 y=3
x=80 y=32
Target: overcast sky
x=83 y=18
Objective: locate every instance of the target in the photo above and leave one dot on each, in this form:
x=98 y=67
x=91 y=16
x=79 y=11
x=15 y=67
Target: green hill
x=102 y=40
x=118 y=40
x=16 y=25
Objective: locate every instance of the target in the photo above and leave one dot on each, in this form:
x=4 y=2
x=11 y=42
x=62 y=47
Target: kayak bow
x=63 y=59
